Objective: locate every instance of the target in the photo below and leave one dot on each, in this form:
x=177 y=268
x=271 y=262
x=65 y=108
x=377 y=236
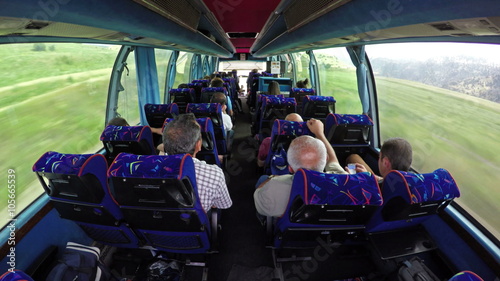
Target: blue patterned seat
x=411 y=198
x=157 y=113
x=77 y=186
x=348 y=133
x=274 y=107
x=208 y=151
x=465 y=276
x=282 y=134
x=208 y=92
x=159 y=199
x=331 y=206
x=317 y=107
x=197 y=91
x=182 y=97
x=131 y=139
x=214 y=111
x=203 y=82
x=299 y=93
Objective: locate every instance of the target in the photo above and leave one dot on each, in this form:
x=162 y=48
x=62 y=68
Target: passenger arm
x=317 y=128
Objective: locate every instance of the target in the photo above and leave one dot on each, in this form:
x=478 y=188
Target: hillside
x=469 y=75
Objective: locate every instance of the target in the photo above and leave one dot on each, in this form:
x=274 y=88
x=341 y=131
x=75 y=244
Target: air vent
x=179 y=11
x=233 y=35
x=443 y=26
x=302 y=12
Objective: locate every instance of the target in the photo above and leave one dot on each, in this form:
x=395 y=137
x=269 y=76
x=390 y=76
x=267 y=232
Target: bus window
x=128 y=98
x=337 y=76
x=442 y=97
x=162 y=56
x=183 y=68
x=53 y=99
x=302 y=66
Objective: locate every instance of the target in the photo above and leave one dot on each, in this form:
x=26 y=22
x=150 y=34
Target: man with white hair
x=271 y=197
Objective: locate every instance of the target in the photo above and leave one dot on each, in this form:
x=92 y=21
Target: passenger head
x=395 y=154
x=182 y=135
x=294 y=117
x=183 y=86
x=303 y=83
x=219 y=98
x=308 y=153
x=254 y=70
x=274 y=88
x=217 y=82
x=118 y=121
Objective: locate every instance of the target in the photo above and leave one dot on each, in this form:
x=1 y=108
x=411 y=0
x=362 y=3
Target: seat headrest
x=359 y=119
x=204 y=108
x=303 y=90
x=319 y=98
x=60 y=163
x=338 y=189
x=200 y=81
x=181 y=90
x=151 y=166
x=284 y=127
x=435 y=186
x=213 y=89
x=206 y=124
x=465 y=276
x=124 y=133
x=161 y=108
x=275 y=100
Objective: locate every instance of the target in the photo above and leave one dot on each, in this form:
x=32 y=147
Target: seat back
x=282 y=134
x=208 y=152
x=182 y=97
x=208 y=92
x=157 y=113
x=159 y=199
x=317 y=107
x=131 y=139
x=466 y=276
x=411 y=198
x=77 y=186
x=197 y=91
x=214 y=112
x=203 y=82
x=348 y=133
x=274 y=107
x=299 y=93
x=332 y=206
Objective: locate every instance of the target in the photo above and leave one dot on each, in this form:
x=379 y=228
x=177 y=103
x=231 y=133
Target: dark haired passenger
x=183 y=135
x=273 y=88
x=118 y=121
x=395 y=154
x=220 y=98
x=219 y=83
x=302 y=83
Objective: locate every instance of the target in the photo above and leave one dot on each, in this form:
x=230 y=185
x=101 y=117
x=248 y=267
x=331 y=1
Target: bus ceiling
x=223 y=28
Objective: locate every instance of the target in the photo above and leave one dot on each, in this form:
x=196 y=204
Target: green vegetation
x=447 y=130
x=52 y=101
